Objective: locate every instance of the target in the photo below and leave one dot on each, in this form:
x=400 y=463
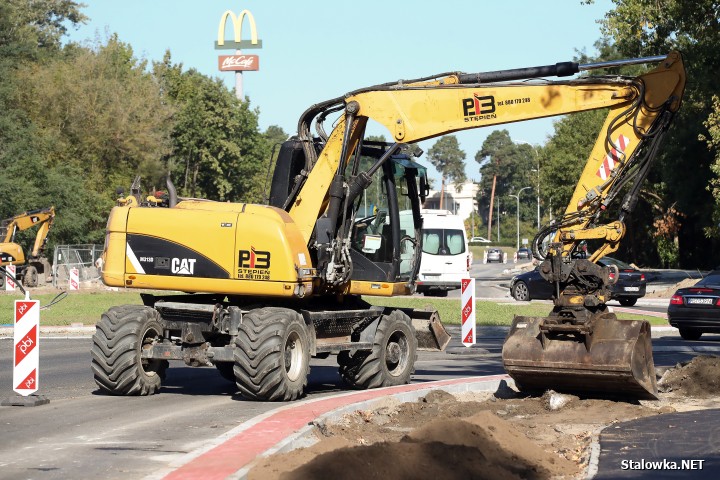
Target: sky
x=320 y=49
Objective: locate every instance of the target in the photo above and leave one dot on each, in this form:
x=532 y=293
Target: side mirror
x=424 y=188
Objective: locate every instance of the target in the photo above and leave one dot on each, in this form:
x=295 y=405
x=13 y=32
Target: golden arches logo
x=237 y=23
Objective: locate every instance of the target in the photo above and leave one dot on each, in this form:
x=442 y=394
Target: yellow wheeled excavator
x=268 y=286
x=35 y=269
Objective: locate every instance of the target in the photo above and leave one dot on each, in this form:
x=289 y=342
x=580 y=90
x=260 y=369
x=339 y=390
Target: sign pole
x=239 y=80
x=467 y=302
x=26 y=355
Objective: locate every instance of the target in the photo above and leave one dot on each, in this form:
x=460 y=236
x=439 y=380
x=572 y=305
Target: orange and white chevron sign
x=27 y=354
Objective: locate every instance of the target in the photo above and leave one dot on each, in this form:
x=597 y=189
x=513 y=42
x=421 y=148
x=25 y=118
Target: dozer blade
x=429 y=331
x=610 y=357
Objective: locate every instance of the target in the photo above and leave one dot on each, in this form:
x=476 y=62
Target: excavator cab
x=385 y=238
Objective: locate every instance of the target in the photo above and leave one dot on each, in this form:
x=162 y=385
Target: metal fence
x=82 y=257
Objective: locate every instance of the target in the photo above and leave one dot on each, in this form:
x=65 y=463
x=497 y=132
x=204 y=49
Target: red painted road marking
x=243 y=448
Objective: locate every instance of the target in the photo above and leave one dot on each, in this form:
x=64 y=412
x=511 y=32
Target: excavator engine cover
x=604 y=355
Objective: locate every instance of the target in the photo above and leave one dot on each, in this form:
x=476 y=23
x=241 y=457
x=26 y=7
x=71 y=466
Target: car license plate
x=632 y=289
x=700 y=301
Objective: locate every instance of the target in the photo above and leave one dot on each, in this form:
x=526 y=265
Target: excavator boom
x=580 y=346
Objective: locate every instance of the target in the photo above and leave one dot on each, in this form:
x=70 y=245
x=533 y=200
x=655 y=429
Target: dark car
x=629 y=287
x=696 y=310
x=524 y=253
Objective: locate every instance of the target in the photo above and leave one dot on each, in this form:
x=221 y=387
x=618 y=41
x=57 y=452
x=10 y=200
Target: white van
x=446 y=258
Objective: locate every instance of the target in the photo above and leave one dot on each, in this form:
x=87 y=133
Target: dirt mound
x=669 y=291
x=476 y=447
x=481 y=435
x=698 y=378
x=472 y=435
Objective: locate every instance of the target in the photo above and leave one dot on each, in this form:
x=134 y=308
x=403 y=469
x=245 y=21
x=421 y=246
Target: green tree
x=103 y=112
x=449 y=160
x=505 y=168
x=217 y=149
x=649 y=27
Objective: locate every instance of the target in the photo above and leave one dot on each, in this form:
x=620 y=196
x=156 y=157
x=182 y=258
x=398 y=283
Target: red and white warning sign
x=613 y=157
x=9 y=283
x=74 y=279
x=467 y=300
x=26 y=355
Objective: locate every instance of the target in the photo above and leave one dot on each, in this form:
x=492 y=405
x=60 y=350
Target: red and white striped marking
x=74 y=279
x=613 y=157
x=467 y=300
x=26 y=354
x=9 y=283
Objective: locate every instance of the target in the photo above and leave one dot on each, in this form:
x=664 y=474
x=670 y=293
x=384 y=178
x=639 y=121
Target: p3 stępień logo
x=478 y=107
x=254 y=258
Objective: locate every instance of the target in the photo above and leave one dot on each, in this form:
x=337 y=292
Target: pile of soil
x=481 y=435
x=699 y=378
x=669 y=291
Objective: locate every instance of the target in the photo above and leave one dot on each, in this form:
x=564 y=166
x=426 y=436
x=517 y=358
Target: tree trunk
x=490 y=213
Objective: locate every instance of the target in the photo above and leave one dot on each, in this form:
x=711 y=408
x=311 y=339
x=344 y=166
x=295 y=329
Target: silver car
x=494 y=255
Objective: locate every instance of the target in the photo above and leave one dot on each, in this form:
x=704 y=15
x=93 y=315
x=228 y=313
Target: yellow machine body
x=259 y=250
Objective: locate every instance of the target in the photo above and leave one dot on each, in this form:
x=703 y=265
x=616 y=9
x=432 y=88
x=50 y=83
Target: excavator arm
x=640 y=110
x=11 y=252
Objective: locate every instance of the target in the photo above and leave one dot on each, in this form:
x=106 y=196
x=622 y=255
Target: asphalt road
x=83 y=433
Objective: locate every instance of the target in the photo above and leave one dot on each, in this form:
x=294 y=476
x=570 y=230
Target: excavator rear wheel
x=391 y=360
x=117 y=364
x=30 y=277
x=272 y=355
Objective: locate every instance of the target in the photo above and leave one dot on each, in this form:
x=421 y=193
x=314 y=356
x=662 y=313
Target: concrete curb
x=232 y=454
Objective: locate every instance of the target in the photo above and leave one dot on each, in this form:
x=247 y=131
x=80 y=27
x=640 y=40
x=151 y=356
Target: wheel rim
x=293 y=356
x=521 y=292
x=397 y=352
x=150 y=365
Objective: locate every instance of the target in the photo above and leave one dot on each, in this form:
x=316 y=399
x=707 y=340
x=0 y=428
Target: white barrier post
x=9 y=280
x=74 y=279
x=26 y=357
x=467 y=301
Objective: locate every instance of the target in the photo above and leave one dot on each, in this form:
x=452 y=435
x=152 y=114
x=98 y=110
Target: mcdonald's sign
x=237 y=22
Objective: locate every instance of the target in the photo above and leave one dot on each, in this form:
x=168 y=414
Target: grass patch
x=87 y=307
x=487 y=313
x=77 y=307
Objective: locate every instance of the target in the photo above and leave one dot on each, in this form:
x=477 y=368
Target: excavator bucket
x=604 y=356
x=429 y=331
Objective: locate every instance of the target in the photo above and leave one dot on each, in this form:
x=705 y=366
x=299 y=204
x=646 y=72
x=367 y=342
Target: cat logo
x=183 y=266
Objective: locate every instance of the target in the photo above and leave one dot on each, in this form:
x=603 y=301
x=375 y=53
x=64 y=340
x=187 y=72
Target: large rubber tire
x=520 y=292
x=118 y=341
x=391 y=360
x=272 y=355
x=690 y=334
x=30 y=277
x=627 y=302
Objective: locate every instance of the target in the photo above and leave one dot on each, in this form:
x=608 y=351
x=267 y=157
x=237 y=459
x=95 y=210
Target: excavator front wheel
x=117 y=364
x=272 y=355
x=391 y=360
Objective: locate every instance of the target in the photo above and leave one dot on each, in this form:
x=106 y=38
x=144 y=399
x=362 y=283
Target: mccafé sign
x=237 y=43
x=234 y=63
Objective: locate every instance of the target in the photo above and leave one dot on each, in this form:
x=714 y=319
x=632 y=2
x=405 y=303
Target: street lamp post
x=537 y=160
x=517 y=197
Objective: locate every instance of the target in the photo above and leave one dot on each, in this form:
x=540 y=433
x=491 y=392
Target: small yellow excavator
x=268 y=286
x=34 y=269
